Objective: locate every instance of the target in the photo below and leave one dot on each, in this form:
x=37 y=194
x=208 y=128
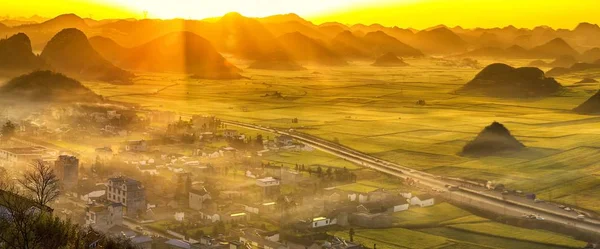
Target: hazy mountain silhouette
x=4 y=27
x=512 y=52
x=381 y=43
x=16 y=55
x=366 y=29
x=279 y=61
x=347 y=44
x=586 y=28
x=108 y=48
x=6 y=24
x=403 y=35
x=62 y=21
x=389 y=60
x=243 y=36
x=494 y=139
x=538 y=63
x=501 y=80
x=288 y=23
x=283 y=18
x=439 y=41
x=562 y=61
x=56 y=24
x=587 y=34
x=554 y=49
x=487 y=39
x=332 y=28
x=47 y=86
x=587 y=80
x=70 y=52
x=303 y=48
x=181 y=52
x=577 y=67
x=253 y=38
x=517 y=51
x=591 y=55
x=282 y=28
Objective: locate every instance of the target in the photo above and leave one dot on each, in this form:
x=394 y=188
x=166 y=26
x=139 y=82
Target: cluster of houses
x=372 y=210
x=111 y=203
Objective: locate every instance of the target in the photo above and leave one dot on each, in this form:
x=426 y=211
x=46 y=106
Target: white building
x=269 y=185
x=137 y=146
x=400 y=205
x=323 y=221
x=103 y=217
x=422 y=200
x=197 y=197
x=25 y=155
x=129 y=192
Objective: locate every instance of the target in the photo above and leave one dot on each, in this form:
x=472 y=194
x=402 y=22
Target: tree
x=8 y=130
x=41 y=181
x=351 y=233
x=31 y=226
x=259 y=141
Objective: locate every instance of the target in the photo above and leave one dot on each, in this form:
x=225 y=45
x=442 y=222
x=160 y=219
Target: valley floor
x=374 y=110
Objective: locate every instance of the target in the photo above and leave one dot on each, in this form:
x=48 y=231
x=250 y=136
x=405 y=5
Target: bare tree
x=41 y=181
x=17 y=219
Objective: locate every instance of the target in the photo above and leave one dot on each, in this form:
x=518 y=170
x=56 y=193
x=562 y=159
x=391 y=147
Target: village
x=166 y=180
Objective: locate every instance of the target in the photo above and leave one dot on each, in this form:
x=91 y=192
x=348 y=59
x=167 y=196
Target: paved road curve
x=471 y=197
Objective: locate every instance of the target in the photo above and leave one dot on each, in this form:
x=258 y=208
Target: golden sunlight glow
x=198 y=9
x=402 y=13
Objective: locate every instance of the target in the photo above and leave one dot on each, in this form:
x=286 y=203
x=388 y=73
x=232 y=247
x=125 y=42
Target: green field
x=373 y=110
x=395 y=238
x=511 y=232
x=430 y=216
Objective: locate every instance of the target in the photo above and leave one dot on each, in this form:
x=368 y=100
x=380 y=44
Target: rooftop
x=178 y=243
x=268 y=179
x=319 y=218
x=124 y=180
x=35 y=150
x=141 y=239
x=425 y=197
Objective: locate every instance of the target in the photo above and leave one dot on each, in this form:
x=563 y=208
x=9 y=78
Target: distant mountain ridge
x=195 y=56
x=252 y=38
x=302 y=48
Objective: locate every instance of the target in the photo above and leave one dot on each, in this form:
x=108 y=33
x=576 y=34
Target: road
x=469 y=196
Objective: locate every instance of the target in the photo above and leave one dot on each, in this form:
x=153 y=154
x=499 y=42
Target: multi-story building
x=129 y=192
x=67 y=170
x=10 y=157
x=197 y=198
x=136 y=146
x=270 y=186
x=102 y=217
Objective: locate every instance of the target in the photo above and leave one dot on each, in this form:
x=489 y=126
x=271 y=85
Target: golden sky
x=402 y=13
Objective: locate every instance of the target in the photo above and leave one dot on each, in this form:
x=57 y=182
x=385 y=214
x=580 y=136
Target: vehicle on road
x=580 y=217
